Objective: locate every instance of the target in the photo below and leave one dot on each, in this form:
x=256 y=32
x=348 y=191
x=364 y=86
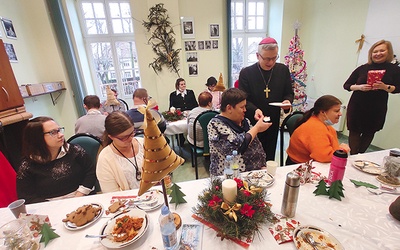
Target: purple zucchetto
x=268 y=40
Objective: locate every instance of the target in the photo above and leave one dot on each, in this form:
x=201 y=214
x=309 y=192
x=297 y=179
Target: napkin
x=306 y=175
x=35 y=222
x=283 y=228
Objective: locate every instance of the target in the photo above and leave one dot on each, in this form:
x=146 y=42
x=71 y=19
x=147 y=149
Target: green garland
x=173 y=116
x=252 y=211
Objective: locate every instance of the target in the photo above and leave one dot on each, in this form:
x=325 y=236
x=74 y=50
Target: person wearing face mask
x=265 y=82
x=367 y=107
x=182 y=98
x=314 y=137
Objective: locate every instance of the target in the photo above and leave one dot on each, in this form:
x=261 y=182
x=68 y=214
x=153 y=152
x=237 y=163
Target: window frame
x=112 y=39
x=246 y=33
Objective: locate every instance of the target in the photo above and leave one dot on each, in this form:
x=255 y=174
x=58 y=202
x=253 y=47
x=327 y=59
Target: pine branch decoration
x=162 y=40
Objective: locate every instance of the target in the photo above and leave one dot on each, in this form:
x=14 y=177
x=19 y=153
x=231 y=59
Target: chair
x=92 y=145
x=124 y=102
x=289 y=124
x=204 y=118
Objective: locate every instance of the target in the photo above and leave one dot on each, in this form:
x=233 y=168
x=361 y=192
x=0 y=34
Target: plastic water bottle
x=228 y=171
x=235 y=164
x=338 y=166
x=168 y=229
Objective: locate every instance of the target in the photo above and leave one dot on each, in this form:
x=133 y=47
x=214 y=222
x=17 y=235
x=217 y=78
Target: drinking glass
x=16 y=235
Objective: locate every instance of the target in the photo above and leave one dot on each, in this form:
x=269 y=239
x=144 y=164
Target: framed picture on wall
x=193 y=70
x=200 y=45
x=12 y=56
x=191 y=57
x=207 y=44
x=214 y=44
x=190 y=45
x=9 y=28
x=187 y=24
x=214 y=30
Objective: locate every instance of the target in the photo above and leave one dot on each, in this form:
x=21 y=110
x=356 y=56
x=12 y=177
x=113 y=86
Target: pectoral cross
x=266 y=90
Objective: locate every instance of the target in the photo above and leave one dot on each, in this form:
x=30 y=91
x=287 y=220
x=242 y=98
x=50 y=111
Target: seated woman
x=205 y=102
x=231 y=131
x=216 y=95
x=120 y=163
x=314 y=137
x=52 y=168
x=182 y=98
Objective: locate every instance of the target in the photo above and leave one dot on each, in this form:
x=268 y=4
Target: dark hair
x=204 y=99
x=177 y=82
x=232 y=96
x=34 y=146
x=324 y=103
x=211 y=81
x=116 y=123
x=388 y=46
x=92 y=101
x=140 y=93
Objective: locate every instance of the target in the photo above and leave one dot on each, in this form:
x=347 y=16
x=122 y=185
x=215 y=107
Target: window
x=248 y=26
x=107 y=27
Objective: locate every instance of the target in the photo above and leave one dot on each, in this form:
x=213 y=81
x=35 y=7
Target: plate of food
x=150 y=200
x=124 y=229
x=303 y=235
x=83 y=216
x=367 y=166
x=389 y=180
x=260 y=178
x=279 y=104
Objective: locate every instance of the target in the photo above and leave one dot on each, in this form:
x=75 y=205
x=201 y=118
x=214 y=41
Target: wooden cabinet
x=10 y=96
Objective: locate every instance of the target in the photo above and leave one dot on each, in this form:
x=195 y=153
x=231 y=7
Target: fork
x=316 y=244
x=378 y=192
x=307 y=240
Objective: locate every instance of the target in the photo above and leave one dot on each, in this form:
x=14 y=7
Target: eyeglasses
x=127 y=137
x=269 y=58
x=55 y=132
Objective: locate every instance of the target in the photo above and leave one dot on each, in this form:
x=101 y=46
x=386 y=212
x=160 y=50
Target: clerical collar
x=181 y=93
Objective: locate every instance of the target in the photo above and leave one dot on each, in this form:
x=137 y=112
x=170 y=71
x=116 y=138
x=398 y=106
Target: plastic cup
x=271 y=167
x=17 y=207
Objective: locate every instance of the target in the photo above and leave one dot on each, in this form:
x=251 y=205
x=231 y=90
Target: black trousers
x=268 y=140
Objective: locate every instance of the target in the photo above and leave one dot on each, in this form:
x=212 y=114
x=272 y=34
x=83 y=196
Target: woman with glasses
x=120 y=163
x=51 y=168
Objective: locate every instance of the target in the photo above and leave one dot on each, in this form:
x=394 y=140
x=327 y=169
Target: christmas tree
x=298 y=71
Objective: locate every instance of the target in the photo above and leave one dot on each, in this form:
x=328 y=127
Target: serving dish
x=367 y=167
x=319 y=235
x=260 y=178
x=71 y=226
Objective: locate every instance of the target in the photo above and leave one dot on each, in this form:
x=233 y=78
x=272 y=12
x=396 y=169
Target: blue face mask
x=327 y=121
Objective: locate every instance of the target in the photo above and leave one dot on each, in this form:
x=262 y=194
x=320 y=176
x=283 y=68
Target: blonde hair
x=388 y=46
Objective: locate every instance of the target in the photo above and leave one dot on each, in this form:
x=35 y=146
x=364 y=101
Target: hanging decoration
x=298 y=71
x=360 y=43
x=162 y=40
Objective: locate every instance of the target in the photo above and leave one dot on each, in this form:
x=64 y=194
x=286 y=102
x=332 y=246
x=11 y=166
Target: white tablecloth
x=360 y=221
x=177 y=127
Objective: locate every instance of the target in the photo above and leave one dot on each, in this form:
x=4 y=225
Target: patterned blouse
x=225 y=136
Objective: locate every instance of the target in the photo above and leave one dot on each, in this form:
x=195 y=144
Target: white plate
x=260 y=178
x=279 y=104
x=367 y=167
x=318 y=234
x=156 y=200
x=71 y=226
x=109 y=226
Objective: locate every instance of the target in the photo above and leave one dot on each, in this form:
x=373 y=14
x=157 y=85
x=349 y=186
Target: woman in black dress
x=182 y=98
x=367 y=107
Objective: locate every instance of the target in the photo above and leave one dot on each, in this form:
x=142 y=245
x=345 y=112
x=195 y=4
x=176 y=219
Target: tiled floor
x=187 y=172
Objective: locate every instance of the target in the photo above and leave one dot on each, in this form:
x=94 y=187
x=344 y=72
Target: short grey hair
x=268 y=46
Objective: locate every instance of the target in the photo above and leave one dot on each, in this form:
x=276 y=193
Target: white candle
x=229 y=190
x=172 y=109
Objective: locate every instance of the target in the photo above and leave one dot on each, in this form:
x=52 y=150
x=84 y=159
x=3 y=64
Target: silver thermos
x=291 y=194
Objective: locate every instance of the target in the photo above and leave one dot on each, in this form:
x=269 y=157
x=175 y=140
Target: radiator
x=338 y=126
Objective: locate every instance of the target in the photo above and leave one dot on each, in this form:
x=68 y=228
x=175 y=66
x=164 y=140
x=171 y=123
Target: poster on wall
x=187 y=24
x=214 y=30
x=9 y=28
x=12 y=56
